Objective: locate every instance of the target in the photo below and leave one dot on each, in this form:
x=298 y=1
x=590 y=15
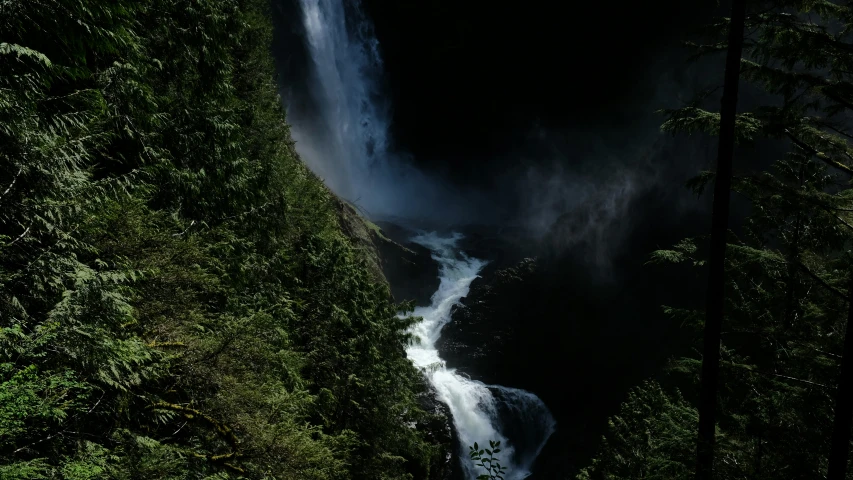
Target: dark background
x=470 y=79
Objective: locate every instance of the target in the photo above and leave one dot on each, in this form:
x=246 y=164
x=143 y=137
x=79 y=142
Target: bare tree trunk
x=719 y=228
x=843 y=407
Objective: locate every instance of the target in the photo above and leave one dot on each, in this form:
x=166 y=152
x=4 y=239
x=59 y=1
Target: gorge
x=345 y=140
x=340 y=113
x=480 y=412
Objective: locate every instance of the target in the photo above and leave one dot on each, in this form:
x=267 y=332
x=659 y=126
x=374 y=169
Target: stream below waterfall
x=481 y=412
x=341 y=127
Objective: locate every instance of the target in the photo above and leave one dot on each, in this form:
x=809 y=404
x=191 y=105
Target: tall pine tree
x=719 y=230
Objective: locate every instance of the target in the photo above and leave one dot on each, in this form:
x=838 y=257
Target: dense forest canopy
x=177 y=298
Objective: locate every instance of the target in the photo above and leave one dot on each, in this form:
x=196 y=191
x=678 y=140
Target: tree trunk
x=843 y=407
x=719 y=229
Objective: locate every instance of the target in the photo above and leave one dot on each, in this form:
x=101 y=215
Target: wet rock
x=410 y=269
x=484 y=328
x=502 y=247
x=438 y=428
x=362 y=236
x=406 y=267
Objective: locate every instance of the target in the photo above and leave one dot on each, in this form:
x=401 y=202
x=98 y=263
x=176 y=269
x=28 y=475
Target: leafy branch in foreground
x=494 y=470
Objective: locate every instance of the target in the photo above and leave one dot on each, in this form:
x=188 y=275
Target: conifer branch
x=822 y=156
x=15 y=179
x=25 y=447
x=223 y=430
x=19 y=237
x=834 y=97
x=808 y=382
x=843 y=222
x=834 y=129
x=821 y=281
x=248 y=212
x=185 y=231
x=156 y=344
x=817 y=350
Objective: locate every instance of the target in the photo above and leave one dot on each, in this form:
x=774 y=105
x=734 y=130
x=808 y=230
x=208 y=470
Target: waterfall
x=481 y=412
x=344 y=139
x=342 y=126
x=348 y=145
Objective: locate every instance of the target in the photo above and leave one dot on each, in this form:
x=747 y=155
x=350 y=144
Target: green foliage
x=682 y=251
x=177 y=299
x=488 y=462
x=787 y=267
x=696 y=120
x=652 y=437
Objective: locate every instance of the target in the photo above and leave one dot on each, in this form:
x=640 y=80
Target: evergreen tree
x=840 y=450
x=788 y=268
x=719 y=228
x=177 y=298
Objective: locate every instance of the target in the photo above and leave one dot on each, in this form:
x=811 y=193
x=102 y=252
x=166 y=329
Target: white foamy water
x=480 y=412
x=344 y=139
x=344 y=135
x=350 y=151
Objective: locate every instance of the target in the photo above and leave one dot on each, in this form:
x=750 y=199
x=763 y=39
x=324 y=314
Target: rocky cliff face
x=410 y=269
x=438 y=426
x=485 y=326
x=407 y=268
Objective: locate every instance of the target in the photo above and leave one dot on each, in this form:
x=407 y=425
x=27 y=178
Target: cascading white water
x=345 y=141
x=344 y=135
x=480 y=412
x=346 y=66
